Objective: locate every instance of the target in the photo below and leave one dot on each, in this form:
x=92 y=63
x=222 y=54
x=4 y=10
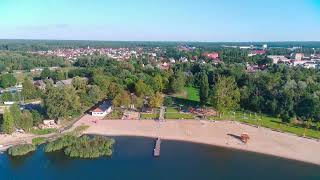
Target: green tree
x=7 y=80
x=168 y=101
x=62 y=102
x=122 y=99
x=26 y=121
x=46 y=73
x=36 y=117
x=204 y=88
x=29 y=91
x=114 y=89
x=16 y=115
x=138 y=102
x=308 y=125
x=318 y=125
x=8 y=122
x=158 y=83
x=156 y=100
x=142 y=89
x=226 y=94
x=6 y=96
x=177 y=82
x=79 y=83
x=95 y=94
x=102 y=81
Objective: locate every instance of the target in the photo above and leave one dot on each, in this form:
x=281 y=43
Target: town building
x=279 y=59
x=212 y=55
x=299 y=56
x=102 y=110
x=256 y=52
x=265 y=47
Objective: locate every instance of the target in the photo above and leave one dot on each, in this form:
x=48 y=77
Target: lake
x=133 y=159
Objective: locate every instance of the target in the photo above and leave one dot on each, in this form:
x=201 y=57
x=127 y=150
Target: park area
x=190 y=98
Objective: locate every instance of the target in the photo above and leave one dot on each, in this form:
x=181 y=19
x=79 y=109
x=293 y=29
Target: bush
x=21 y=149
x=82 y=147
x=86 y=147
x=60 y=143
x=168 y=101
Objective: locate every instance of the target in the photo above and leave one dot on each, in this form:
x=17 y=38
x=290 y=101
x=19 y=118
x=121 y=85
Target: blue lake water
x=133 y=160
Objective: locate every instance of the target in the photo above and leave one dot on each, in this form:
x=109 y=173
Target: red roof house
x=212 y=55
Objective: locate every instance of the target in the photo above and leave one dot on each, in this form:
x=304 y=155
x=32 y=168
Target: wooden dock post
x=156 y=150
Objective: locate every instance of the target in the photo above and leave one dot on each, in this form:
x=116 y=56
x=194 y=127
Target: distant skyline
x=161 y=20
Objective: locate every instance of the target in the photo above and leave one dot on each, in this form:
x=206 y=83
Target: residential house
x=212 y=55
x=102 y=110
x=256 y=52
x=40 y=84
x=279 y=59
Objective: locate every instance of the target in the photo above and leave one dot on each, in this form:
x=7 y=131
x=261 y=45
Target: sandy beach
x=219 y=133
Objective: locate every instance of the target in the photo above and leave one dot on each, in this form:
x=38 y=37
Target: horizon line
x=169 y=41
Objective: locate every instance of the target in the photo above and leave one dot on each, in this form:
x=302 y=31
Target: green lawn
x=172 y=113
x=171 y=110
x=193 y=94
x=149 y=115
x=268 y=122
x=43 y=131
x=115 y=114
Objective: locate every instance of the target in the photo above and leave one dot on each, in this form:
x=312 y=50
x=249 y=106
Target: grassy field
x=43 y=131
x=192 y=94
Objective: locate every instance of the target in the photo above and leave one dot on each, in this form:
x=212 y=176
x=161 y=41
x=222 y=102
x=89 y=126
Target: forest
x=42 y=45
x=289 y=93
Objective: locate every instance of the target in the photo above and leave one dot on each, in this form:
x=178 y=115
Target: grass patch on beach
x=173 y=113
x=149 y=116
x=43 y=131
x=39 y=140
x=115 y=114
x=268 y=122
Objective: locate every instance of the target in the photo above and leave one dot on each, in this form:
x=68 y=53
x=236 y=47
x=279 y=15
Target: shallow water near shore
x=133 y=159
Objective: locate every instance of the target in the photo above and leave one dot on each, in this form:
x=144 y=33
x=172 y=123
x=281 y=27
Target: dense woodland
x=10 y=61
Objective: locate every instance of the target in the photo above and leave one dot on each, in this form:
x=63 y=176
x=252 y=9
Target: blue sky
x=162 y=20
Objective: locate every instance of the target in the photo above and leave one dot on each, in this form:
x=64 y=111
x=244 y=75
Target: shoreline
x=218 y=133
x=214 y=133
x=209 y=144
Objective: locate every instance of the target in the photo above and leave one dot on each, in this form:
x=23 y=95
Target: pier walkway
x=156 y=150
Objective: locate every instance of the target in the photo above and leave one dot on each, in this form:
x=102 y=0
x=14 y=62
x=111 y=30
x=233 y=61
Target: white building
x=104 y=109
x=265 y=46
x=299 y=56
x=310 y=65
x=172 y=60
x=276 y=59
x=183 y=59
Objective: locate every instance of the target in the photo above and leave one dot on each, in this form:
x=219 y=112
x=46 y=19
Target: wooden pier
x=156 y=150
